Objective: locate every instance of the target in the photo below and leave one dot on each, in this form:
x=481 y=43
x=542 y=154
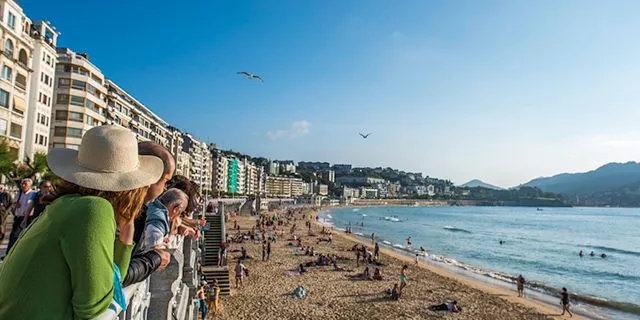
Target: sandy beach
x=267 y=293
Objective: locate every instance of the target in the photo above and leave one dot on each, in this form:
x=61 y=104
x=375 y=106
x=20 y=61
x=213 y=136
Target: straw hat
x=106 y=160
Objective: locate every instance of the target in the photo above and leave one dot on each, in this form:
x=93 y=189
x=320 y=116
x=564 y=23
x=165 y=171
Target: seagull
x=251 y=76
x=364 y=136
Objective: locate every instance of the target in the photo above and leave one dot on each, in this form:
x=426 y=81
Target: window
x=46 y=140
x=88 y=120
x=16 y=130
x=62 y=99
x=64 y=82
x=22 y=57
x=8 y=48
x=93 y=107
x=4 y=99
x=77 y=84
x=3 y=127
x=49 y=62
x=79 y=70
x=6 y=73
x=11 y=21
x=64 y=131
x=61 y=115
x=21 y=81
x=42 y=119
x=78 y=101
x=58 y=145
x=75 y=116
x=96 y=78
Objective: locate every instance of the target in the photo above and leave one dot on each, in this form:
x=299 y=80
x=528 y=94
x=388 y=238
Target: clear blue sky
x=503 y=91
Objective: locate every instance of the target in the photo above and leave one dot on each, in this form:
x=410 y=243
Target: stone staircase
x=247 y=207
x=212 y=240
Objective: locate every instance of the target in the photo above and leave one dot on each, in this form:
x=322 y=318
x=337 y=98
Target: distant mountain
x=615 y=184
x=478 y=183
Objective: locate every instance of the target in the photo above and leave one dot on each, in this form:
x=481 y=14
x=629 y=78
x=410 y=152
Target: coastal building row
x=236 y=176
x=50 y=96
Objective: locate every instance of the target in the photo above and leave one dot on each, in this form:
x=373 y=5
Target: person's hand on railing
x=165 y=256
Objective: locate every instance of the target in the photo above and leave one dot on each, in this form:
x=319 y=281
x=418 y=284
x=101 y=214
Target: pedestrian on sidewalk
x=5 y=204
x=22 y=211
x=202 y=301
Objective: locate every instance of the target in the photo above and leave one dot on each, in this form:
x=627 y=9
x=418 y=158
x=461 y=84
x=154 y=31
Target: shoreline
x=508 y=295
x=586 y=306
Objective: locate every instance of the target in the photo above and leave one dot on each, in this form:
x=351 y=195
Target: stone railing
x=167 y=294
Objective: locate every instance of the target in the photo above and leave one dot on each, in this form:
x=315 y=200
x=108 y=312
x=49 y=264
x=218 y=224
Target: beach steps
x=247 y=207
x=212 y=240
x=218 y=273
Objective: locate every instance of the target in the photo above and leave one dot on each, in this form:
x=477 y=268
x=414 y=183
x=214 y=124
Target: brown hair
x=126 y=204
x=184 y=184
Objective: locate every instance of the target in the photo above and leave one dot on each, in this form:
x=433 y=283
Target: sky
x=502 y=91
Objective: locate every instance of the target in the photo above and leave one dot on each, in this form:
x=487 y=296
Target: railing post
x=221 y=211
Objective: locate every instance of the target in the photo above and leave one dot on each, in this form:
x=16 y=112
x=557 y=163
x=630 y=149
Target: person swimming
x=501 y=242
x=603 y=255
x=422 y=249
x=592 y=254
x=581 y=254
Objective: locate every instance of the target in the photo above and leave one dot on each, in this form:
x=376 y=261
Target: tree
x=14 y=171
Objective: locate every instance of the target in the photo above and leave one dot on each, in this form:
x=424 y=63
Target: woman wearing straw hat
x=69 y=263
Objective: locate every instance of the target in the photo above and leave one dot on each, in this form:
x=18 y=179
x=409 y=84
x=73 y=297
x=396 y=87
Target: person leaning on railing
x=143 y=264
x=70 y=261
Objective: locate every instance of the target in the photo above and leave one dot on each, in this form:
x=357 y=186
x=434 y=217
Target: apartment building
x=15 y=74
x=80 y=100
x=219 y=171
x=200 y=162
x=124 y=110
x=251 y=180
x=284 y=187
x=41 y=91
x=182 y=159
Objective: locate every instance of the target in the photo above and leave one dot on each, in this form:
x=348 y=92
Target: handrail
x=115 y=310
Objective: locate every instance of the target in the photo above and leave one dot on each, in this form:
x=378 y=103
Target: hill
x=479 y=183
x=614 y=184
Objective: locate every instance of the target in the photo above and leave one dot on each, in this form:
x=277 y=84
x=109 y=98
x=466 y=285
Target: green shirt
x=62 y=265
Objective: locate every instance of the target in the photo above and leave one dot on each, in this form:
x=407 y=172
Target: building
x=232 y=175
x=349 y=194
x=251 y=178
x=322 y=189
x=274 y=168
x=359 y=180
x=368 y=193
x=341 y=169
x=80 y=99
x=181 y=158
x=200 y=162
x=41 y=92
x=314 y=166
x=15 y=76
x=219 y=172
x=329 y=175
x=287 y=166
x=284 y=187
x=431 y=190
x=124 y=110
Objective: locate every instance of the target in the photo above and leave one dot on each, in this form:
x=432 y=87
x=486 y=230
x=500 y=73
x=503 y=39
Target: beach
x=267 y=292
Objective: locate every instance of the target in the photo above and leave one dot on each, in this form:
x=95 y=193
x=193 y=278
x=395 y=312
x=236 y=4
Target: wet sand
x=332 y=295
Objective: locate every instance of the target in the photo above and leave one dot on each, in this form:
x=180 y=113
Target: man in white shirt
x=23 y=210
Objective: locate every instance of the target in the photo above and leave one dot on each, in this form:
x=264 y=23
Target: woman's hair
x=126 y=205
x=184 y=184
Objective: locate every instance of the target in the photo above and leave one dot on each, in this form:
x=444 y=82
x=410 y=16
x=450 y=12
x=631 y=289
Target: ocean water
x=542 y=245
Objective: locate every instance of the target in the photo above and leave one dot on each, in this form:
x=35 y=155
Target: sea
x=542 y=244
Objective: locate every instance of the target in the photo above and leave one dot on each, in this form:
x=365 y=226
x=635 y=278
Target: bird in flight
x=364 y=136
x=251 y=76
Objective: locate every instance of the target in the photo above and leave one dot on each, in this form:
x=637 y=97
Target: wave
x=386 y=242
x=454 y=229
x=356 y=209
x=364 y=214
x=329 y=216
x=393 y=219
x=616 y=250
